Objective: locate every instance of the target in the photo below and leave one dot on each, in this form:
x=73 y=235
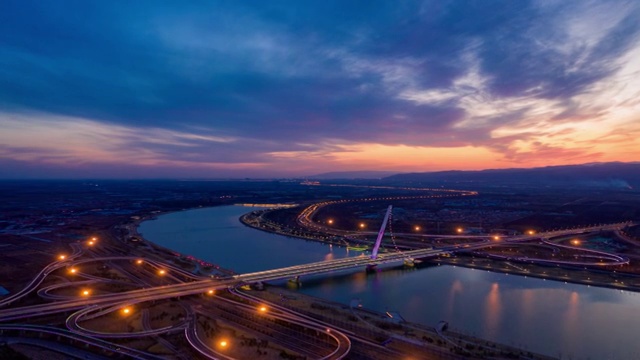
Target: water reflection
x=454 y=291
x=492 y=310
x=544 y=316
x=571 y=319
x=359 y=281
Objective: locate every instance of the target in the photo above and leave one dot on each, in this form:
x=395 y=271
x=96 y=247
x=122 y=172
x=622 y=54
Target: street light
x=211 y=292
x=330 y=221
x=223 y=344
x=362 y=225
x=459 y=230
x=417 y=228
x=575 y=242
x=126 y=311
x=86 y=293
x=531 y=232
x=496 y=237
x=139 y=261
x=161 y=272
x=73 y=270
x=62 y=257
x=262 y=309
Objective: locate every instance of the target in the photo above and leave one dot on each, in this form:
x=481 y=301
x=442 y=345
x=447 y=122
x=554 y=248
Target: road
x=202 y=286
x=184 y=283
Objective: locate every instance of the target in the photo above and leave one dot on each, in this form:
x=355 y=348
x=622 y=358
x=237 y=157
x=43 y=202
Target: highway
x=104 y=345
x=202 y=286
x=186 y=284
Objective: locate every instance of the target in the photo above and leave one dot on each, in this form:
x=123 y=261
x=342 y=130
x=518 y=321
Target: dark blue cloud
x=279 y=73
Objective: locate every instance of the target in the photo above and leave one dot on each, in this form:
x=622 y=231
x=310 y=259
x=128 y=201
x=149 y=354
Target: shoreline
x=495 y=266
x=404 y=334
x=469 y=263
x=165 y=253
x=533 y=270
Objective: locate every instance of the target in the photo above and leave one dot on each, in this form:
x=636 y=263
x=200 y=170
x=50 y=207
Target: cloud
x=227 y=83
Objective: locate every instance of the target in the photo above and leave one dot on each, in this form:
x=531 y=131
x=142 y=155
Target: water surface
x=563 y=320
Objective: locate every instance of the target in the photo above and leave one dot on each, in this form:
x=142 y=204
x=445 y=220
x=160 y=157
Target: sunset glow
x=300 y=92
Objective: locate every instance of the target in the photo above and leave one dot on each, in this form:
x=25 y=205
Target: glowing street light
x=531 y=232
x=262 y=309
x=330 y=221
x=62 y=257
x=496 y=238
x=161 y=272
x=86 y=293
x=223 y=344
x=575 y=242
x=211 y=292
x=91 y=243
x=459 y=230
x=139 y=261
x=362 y=225
x=126 y=311
x=417 y=228
x=73 y=270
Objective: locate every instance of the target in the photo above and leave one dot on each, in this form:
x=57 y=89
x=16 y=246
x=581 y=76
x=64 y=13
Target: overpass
x=203 y=286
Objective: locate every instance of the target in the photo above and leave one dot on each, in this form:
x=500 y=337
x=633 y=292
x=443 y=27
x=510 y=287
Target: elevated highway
x=202 y=286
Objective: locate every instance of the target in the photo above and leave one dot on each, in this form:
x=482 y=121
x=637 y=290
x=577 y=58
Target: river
x=567 y=321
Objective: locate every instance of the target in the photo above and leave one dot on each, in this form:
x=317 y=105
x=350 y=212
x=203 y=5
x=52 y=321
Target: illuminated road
x=85 y=308
x=202 y=286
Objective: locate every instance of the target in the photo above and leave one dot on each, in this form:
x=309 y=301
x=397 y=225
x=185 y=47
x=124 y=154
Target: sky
x=218 y=89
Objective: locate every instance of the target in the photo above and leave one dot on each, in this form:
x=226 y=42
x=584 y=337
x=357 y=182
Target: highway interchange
x=152 y=281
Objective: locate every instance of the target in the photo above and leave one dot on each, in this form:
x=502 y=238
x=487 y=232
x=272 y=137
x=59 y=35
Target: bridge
x=337 y=347
x=202 y=286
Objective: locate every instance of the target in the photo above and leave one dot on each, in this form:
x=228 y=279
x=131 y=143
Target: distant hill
x=602 y=175
x=353 y=175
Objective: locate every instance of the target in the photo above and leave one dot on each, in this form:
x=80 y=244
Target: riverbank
x=582 y=276
x=133 y=237
x=378 y=328
x=578 y=275
x=392 y=333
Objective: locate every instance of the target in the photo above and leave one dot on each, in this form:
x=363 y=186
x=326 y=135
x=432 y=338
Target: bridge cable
x=393 y=236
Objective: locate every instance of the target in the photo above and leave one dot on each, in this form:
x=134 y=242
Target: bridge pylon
x=376 y=246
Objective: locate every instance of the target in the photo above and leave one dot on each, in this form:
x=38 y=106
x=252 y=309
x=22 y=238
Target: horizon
x=291 y=90
x=309 y=176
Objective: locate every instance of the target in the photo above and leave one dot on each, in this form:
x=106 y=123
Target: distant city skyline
x=290 y=89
